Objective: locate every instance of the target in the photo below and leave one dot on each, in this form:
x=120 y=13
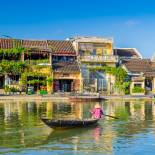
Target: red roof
x=57 y=47
x=6 y=43
x=145 y=66
x=66 y=67
x=61 y=47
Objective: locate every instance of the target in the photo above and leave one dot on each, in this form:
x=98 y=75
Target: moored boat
x=53 y=123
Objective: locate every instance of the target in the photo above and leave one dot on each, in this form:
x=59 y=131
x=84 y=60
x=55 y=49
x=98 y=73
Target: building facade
x=141 y=72
x=55 y=66
x=95 y=52
x=66 y=70
x=32 y=65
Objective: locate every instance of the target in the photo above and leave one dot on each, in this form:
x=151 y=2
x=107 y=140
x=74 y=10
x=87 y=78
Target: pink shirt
x=97 y=113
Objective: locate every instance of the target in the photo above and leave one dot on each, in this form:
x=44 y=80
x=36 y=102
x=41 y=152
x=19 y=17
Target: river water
x=22 y=132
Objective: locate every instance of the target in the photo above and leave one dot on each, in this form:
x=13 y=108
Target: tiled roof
x=9 y=43
x=127 y=53
x=66 y=67
x=61 y=47
x=57 y=47
x=138 y=65
x=41 y=45
x=34 y=43
x=144 y=66
x=149 y=74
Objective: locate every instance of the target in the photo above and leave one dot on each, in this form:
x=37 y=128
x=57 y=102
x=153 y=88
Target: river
x=22 y=132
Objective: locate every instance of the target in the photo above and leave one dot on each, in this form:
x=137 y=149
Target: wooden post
x=22 y=57
x=50 y=58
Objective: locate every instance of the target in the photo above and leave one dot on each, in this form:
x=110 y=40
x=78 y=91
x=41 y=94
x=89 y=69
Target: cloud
x=131 y=23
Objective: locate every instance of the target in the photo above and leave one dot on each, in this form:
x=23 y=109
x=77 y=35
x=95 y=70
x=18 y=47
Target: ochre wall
x=76 y=77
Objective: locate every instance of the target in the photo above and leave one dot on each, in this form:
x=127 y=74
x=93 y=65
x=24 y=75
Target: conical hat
x=97 y=105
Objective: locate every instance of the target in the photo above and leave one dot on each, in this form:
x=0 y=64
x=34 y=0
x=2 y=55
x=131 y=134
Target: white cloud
x=131 y=23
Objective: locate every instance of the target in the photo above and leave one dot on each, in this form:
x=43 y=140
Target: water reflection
x=97 y=133
x=21 y=127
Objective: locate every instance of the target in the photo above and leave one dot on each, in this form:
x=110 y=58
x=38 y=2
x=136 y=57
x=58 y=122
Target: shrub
x=127 y=92
x=7 y=89
x=14 y=89
x=138 y=90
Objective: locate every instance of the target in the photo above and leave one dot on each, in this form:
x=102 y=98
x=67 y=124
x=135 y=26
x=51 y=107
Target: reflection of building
x=93 y=52
x=20 y=120
x=137 y=110
x=23 y=120
x=66 y=111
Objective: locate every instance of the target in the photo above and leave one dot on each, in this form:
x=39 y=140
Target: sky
x=131 y=23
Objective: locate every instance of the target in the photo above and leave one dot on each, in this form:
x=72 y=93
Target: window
x=105 y=52
x=99 y=51
x=94 y=52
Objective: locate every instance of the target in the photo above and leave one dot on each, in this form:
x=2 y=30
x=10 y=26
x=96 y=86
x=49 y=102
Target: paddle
x=111 y=116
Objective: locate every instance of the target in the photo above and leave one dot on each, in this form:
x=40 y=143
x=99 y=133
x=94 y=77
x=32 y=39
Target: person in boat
x=97 y=112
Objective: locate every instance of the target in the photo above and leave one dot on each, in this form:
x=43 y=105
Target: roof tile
x=66 y=67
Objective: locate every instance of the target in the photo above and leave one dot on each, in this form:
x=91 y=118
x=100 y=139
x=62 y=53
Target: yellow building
x=66 y=70
x=141 y=73
x=93 y=52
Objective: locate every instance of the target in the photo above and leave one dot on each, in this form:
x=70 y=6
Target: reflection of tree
x=139 y=119
x=21 y=125
x=121 y=112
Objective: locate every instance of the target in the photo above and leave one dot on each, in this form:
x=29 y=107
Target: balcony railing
x=105 y=58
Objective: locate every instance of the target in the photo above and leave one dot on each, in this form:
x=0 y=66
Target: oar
x=111 y=116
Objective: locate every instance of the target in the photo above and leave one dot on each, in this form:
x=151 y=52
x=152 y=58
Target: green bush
x=138 y=90
x=7 y=89
x=43 y=92
x=13 y=89
x=49 y=80
x=127 y=92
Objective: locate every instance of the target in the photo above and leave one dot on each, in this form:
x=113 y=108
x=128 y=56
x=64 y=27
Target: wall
x=76 y=77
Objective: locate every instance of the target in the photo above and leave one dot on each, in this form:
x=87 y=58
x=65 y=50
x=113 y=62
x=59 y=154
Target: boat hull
x=69 y=123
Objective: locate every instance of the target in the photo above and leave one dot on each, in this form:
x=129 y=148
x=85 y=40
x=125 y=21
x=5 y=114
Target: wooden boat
x=69 y=123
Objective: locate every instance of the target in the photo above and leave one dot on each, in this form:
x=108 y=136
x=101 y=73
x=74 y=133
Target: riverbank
x=33 y=97
x=67 y=97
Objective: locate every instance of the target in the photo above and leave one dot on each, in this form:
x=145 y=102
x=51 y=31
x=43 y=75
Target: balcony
x=105 y=58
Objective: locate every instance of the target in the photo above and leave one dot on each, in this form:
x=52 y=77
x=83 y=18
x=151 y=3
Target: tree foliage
x=12 y=67
x=14 y=52
x=119 y=73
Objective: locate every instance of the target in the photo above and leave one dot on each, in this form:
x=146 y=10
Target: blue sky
x=130 y=22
